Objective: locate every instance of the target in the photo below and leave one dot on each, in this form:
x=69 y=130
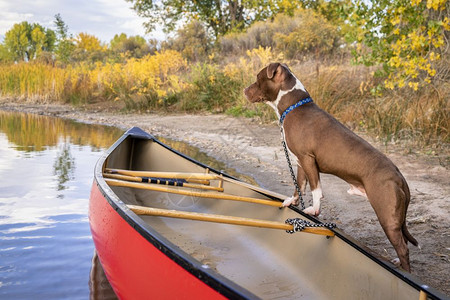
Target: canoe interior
x=269 y=263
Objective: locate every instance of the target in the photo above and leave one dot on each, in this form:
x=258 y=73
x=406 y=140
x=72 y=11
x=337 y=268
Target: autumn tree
x=88 y=48
x=88 y=43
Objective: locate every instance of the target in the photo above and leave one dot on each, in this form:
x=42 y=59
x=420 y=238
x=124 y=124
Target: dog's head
x=270 y=81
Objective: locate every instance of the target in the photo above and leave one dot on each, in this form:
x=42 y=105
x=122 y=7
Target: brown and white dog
x=321 y=144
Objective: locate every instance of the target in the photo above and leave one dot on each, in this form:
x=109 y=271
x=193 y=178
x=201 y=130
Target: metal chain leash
x=286 y=152
x=300 y=224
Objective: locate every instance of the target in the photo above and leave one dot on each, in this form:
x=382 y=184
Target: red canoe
x=157 y=220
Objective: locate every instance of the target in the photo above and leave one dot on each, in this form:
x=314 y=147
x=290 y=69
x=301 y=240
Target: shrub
x=312 y=35
x=305 y=33
x=210 y=89
x=191 y=41
x=150 y=81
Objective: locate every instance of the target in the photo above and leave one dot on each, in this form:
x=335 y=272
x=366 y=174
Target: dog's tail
x=408 y=235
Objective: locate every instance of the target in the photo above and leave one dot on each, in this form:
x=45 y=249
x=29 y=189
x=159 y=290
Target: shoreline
x=255 y=150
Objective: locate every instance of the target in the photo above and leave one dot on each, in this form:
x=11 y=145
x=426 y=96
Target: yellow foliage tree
x=407 y=37
x=88 y=42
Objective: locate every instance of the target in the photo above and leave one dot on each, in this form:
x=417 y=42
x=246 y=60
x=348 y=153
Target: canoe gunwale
x=211 y=278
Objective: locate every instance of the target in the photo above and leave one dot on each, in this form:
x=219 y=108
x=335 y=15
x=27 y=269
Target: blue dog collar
x=292 y=107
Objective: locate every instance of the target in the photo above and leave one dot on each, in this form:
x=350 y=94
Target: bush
x=305 y=34
x=313 y=35
x=191 y=41
x=210 y=89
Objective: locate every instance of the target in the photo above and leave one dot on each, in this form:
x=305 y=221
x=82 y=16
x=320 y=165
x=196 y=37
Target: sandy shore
x=254 y=149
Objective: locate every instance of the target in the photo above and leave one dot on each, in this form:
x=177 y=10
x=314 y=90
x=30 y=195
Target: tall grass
x=151 y=79
x=32 y=81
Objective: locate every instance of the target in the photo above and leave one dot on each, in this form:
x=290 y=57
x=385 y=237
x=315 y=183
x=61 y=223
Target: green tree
x=406 y=37
x=65 y=46
x=41 y=40
x=17 y=42
x=219 y=16
x=130 y=46
x=5 y=55
x=26 y=41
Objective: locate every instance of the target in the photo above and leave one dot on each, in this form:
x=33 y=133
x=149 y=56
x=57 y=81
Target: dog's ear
x=271 y=69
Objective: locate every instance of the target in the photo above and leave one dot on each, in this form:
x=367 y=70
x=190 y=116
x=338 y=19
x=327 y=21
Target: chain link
x=300 y=224
x=286 y=152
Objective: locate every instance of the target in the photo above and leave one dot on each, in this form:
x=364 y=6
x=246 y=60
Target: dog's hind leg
x=389 y=203
x=395 y=236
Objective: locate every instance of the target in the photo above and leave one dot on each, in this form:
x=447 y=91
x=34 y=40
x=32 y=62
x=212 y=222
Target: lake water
x=46 y=171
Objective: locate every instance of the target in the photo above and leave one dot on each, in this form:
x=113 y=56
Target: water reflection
x=63 y=168
x=46 y=168
x=34 y=133
x=99 y=287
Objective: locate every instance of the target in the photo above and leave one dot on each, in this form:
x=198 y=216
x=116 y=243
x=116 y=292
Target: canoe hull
x=135 y=268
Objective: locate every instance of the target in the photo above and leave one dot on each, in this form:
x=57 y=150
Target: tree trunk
x=236 y=11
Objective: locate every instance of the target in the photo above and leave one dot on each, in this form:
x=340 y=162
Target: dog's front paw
x=311 y=211
x=396 y=262
x=290 y=201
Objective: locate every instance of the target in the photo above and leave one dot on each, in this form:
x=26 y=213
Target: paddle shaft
x=174 y=175
x=141 y=210
x=422 y=295
x=175 y=183
x=164 y=189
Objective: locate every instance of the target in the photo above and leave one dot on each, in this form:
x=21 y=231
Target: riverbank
x=254 y=149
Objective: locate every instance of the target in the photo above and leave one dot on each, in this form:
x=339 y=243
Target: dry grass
x=164 y=81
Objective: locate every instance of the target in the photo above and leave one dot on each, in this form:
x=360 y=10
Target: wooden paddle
x=167 y=189
x=422 y=295
x=167 y=182
x=173 y=175
x=141 y=210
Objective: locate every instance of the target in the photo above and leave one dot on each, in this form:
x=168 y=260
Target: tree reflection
x=33 y=133
x=64 y=167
